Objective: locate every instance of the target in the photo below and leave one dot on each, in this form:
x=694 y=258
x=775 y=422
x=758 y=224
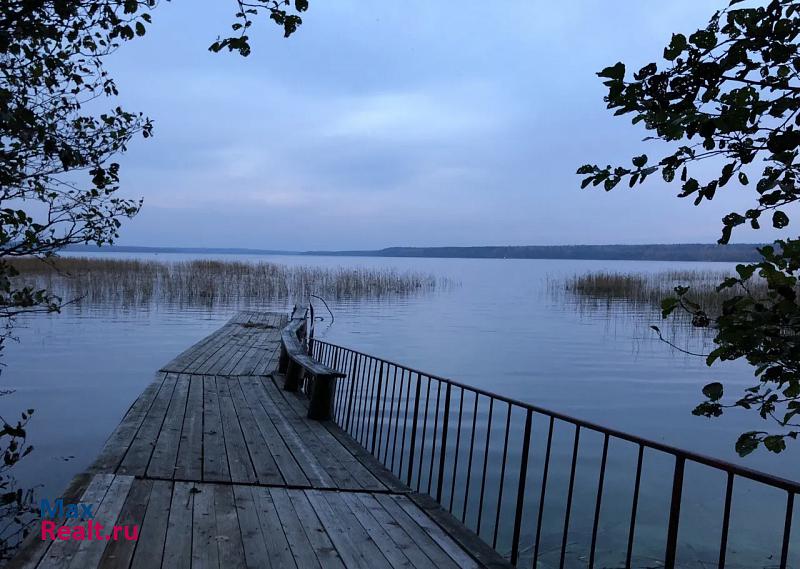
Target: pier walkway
x=221 y=468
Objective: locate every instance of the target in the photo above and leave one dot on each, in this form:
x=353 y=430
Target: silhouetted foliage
x=58 y=178
x=730 y=94
x=18 y=508
x=58 y=184
x=284 y=13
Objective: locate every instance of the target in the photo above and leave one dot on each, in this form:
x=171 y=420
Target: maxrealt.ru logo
x=86 y=527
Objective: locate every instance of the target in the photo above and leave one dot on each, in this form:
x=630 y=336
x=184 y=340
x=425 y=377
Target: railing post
x=351 y=396
x=413 y=443
x=674 y=513
x=377 y=409
x=787 y=530
x=523 y=477
x=336 y=359
x=310 y=335
x=443 y=452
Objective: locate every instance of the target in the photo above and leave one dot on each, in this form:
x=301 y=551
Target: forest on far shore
x=737 y=253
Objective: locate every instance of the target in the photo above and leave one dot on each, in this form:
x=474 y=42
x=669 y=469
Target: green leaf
x=668 y=306
x=779 y=220
x=747 y=443
x=676 y=47
x=745 y=271
x=775 y=443
x=713 y=391
x=640 y=161
x=615 y=72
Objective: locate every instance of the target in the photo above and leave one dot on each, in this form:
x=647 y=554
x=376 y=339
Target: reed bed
x=645 y=291
x=89 y=280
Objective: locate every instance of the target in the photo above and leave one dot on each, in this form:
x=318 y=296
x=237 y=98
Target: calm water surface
x=501 y=328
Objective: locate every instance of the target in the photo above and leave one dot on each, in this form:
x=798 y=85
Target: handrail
x=369 y=405
x=743 y=471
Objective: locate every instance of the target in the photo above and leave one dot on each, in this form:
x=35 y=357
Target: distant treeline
x=682 y=252
x=741 y=252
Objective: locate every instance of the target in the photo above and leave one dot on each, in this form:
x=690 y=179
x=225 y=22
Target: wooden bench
x=296 y=365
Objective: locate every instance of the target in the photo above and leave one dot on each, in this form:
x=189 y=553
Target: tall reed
x=207 y=282
x=643 y=291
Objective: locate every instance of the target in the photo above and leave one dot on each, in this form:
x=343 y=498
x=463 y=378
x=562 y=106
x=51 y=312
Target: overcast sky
x=399 y=123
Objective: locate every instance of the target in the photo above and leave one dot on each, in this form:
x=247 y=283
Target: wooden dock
x=221 y=469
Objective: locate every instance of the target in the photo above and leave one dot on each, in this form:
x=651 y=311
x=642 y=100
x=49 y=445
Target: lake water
x=500 y=328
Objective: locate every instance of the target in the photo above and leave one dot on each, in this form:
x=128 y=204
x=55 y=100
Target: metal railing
x=493 y=462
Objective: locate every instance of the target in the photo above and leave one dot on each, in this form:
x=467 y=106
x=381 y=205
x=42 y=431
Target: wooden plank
x=265 y=344
x=178 y=543
x=60 y=553
x=376 y=532
x=290 y=470
x=359 y=476
x=376 y=553
x=401 y=538
x=240 y=343
x=228 y=534
x=153 y=533
x=461 y=557
x=114 y=449
x=455 y=530
x=215 y=463
x=217 y=360
x=417 y=534
x=250 y=342
x=278 y=549
x=266 y=469
x=369 y=462
x=303 y=455
x=205 y=554
x=239 y=462
x=185 y=358
x=165 y=453
x=220 y=338
x=205 y=349
x=106 y=514
x=351 y=541
x=178 y=363
x=302 y=551
x=333 y=467
x=317 y=536
x=255 y=548
x=209 y=354
x=138 y=454
x=268 y=363
x=189 y=463
x=339 y=536
x=119 y=553
x=252 y=356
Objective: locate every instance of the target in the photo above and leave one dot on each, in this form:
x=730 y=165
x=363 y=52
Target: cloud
x=398 y=123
